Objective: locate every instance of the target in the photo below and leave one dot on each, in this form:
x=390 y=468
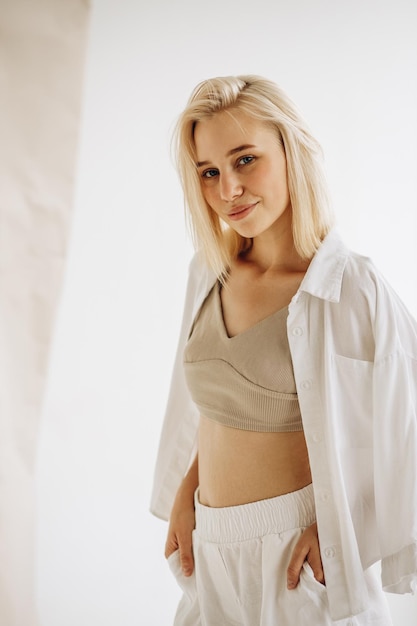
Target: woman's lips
x=240 y=212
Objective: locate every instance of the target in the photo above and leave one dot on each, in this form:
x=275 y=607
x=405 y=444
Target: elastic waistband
x=256 y=519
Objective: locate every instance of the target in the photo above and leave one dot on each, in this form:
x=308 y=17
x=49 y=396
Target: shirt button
x=329 y=553
x=316 y=437
x=306 y=384
x=324 y=496
x=297 y=331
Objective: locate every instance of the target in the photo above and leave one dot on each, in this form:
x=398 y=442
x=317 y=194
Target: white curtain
x=41 y=68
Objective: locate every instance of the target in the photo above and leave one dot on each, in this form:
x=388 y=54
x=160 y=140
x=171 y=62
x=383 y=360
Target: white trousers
x=241 y=557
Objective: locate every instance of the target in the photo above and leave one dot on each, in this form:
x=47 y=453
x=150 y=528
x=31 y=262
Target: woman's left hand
x=307 y=549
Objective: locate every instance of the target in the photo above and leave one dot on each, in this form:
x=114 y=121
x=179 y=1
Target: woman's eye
x=245 y=160
x=210 y=173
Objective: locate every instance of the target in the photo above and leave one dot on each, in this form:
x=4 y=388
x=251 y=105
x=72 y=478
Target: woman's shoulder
x=361 y=281
x=198 y=269
x=200 y=279
x=358 y=266
x=364 y=282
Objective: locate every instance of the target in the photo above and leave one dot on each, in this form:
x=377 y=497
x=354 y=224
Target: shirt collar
x=323 y=278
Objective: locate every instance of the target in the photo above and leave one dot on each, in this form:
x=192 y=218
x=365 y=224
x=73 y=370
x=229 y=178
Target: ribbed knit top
x=245 y=381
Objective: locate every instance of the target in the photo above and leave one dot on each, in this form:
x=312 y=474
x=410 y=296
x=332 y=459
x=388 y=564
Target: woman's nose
x=230 y=187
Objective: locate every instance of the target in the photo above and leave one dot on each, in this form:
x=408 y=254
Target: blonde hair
x=265 y=101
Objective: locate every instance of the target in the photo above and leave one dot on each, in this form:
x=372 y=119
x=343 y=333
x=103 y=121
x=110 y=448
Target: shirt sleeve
x=395 y=441
x=178 y=434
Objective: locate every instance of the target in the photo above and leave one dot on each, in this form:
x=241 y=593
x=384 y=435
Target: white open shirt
x=354 y=351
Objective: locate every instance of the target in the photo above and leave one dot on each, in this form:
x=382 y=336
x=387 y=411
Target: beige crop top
x=246 y=381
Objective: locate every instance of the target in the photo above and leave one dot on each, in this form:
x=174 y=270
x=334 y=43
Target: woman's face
x=243 y=172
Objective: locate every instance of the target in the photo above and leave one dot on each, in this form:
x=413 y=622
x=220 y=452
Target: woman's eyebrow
x=245 y=146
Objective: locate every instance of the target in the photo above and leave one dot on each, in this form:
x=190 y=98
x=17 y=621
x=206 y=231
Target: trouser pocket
x=188 y=612
x=186 y=583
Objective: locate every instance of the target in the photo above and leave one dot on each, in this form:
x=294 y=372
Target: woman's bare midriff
x=239 y=466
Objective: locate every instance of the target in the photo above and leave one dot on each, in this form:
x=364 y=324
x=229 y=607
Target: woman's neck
x=274 y=251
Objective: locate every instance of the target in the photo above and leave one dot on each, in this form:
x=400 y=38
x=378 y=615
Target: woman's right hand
x=182 y=521
x=181 y=526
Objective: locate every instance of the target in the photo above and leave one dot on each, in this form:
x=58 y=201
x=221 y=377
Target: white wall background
x=351 y=67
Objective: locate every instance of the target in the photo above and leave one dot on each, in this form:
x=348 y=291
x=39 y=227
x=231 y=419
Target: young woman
x=288 y=457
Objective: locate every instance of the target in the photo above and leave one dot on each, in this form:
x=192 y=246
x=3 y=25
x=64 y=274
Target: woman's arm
x=182 y=520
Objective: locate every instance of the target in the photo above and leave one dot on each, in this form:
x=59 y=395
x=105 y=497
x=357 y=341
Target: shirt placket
x=307 y=376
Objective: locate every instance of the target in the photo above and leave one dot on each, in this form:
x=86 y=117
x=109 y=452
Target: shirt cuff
x=399 y=571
